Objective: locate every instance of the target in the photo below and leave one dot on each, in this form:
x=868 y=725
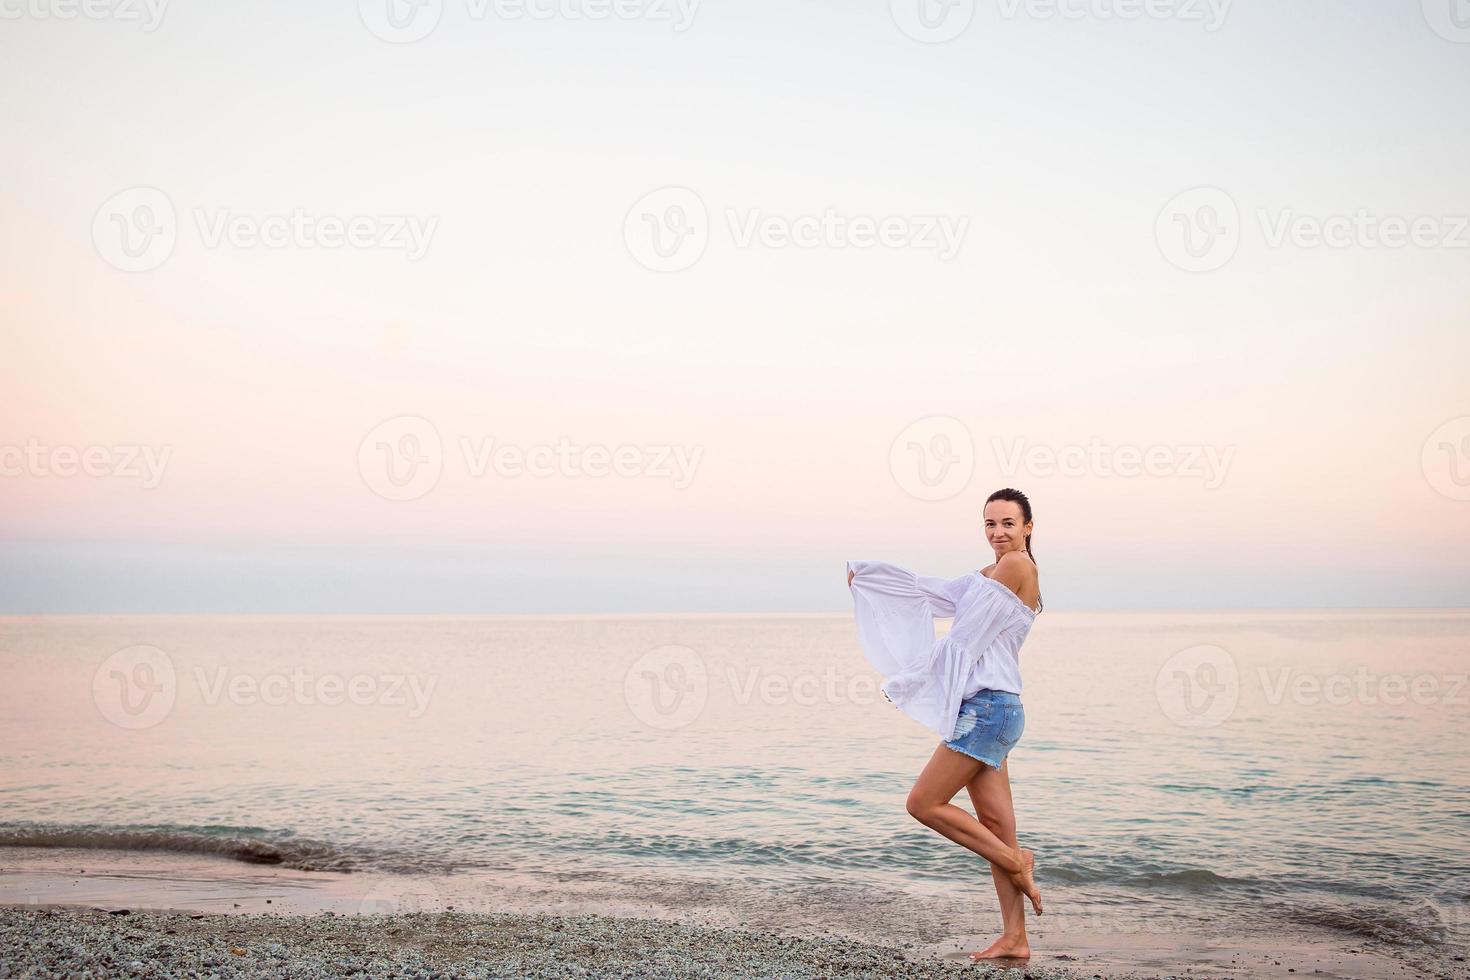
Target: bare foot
x=1025 y=882
x=1004 y=949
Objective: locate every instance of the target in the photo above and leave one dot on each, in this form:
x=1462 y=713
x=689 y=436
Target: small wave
x=250 y=845
x=1193 y=879
x=1188 y=878
x=1368 y=922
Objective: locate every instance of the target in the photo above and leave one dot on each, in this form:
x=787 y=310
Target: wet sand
x=64 y=913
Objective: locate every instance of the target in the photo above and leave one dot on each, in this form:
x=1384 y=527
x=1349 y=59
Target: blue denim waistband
x=1000 y=697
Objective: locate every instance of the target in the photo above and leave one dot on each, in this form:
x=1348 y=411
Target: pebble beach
x=71 y=942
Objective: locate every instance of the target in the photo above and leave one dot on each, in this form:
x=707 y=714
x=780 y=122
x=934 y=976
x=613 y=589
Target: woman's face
x=1003 y=526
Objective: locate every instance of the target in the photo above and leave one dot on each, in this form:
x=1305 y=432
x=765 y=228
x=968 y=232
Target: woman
x=966 y=687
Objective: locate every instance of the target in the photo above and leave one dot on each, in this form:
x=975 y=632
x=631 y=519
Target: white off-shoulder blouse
x=927 y=676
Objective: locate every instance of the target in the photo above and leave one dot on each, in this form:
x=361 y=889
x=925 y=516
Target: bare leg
x=929 y=803
x=990 y=791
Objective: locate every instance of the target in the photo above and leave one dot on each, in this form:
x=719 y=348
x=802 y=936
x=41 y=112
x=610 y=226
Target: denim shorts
x=989 y=726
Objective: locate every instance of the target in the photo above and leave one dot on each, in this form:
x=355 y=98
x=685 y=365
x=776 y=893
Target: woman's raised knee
x=918 y=806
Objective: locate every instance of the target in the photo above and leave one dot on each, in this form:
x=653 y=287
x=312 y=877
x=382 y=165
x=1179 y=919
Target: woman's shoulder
x=1017 y=559
x=1010 y=563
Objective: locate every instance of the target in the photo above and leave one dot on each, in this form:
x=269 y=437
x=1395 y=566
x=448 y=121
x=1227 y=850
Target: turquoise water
x=1261 y=773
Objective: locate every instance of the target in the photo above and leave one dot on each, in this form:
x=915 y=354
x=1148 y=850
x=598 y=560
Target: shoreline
x=62 y=941
x=66 y=910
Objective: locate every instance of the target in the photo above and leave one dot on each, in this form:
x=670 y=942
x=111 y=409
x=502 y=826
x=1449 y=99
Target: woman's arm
x=895 y=611
x=897 y=584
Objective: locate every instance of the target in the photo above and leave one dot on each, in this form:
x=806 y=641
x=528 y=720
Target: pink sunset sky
x=1280 y=419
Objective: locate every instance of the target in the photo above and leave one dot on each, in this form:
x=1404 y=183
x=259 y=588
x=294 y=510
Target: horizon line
x=7 y=616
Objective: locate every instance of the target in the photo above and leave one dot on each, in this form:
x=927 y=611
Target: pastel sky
x=820 y=276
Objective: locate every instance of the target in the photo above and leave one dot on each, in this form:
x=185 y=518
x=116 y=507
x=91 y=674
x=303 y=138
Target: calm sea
x=1282 y=774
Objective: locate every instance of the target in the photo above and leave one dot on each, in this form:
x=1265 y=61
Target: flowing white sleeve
x=895 y=612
